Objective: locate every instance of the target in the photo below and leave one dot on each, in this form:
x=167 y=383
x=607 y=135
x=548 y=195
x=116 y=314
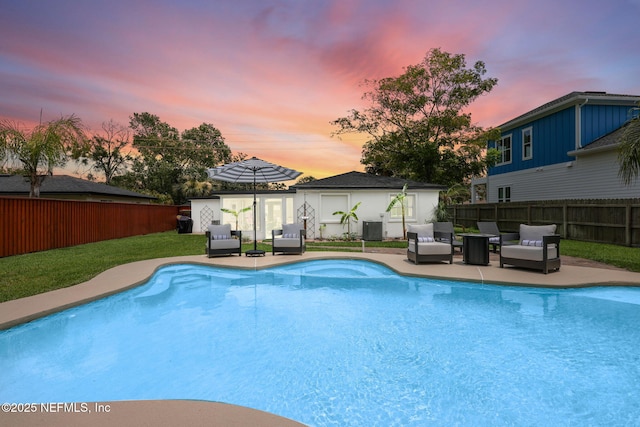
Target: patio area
x=573 y=273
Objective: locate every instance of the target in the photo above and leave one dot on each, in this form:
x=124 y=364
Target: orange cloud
x=272 y=76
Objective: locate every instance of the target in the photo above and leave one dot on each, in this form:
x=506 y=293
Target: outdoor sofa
x=538 y=248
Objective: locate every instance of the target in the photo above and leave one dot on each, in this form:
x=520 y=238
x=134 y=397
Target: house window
x=527 y=143
x=395 y=214
x=504 y=194
x=504 y=147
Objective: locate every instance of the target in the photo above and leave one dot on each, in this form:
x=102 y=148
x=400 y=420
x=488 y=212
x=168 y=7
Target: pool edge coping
x=131 y=275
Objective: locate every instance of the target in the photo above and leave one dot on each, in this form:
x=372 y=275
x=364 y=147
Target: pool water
x=342 y=343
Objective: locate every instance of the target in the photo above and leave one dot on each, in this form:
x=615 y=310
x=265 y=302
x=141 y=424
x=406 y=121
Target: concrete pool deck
x=198 y=412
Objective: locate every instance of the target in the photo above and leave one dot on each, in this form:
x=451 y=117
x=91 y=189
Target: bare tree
x=109 y=151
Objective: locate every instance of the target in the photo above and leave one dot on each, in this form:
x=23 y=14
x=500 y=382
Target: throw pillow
x=535 y=232
x=422 y=230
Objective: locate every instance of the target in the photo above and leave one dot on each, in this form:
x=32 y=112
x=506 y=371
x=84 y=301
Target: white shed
x=342 y=192
x=314 y=203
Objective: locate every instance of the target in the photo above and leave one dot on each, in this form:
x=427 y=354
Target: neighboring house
x=565 y=149
x=68 y=187
x=314 y=203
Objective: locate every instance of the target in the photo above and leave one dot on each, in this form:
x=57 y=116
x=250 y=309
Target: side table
x=475 y=248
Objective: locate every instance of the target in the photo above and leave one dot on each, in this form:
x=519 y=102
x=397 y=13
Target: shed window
x=527 y=143
x=395 y=214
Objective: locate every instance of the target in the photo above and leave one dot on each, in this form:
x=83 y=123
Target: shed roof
x=360 y=180
x=64 y=184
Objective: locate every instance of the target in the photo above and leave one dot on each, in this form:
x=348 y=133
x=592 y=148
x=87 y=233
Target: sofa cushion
x=220 y=232
x=224 y=244
x=422 y=230
x=284 y=242
x=531 y=253
x=535 y=232
x=291 y=231
x=430 y=248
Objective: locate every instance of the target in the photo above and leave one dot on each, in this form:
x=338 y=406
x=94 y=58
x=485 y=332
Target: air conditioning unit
x=371 y=231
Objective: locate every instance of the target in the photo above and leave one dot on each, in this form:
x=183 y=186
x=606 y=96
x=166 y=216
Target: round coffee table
x=475 y=248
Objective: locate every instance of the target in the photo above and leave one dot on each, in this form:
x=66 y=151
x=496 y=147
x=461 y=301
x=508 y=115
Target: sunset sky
x=271 y=75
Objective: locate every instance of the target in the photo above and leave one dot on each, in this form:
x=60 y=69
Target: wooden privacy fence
x=603 y=221
x=31 y=225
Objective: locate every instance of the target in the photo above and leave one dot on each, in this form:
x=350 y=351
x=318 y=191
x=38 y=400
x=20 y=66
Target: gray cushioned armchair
x=289 y=239
x=221 y=241
x=538 y=248
x=427 y=245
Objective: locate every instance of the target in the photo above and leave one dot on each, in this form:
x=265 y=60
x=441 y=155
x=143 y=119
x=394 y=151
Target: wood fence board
x=604 y=221
x=32 y=225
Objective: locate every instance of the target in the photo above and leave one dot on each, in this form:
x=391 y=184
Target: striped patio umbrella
x=253 y=170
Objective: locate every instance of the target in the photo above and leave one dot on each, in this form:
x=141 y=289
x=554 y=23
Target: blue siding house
x=565 y=149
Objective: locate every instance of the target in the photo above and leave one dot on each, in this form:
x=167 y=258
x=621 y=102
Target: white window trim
x=530 y=129
x=504 y=189
x=332 y=219
x=408 y=218
x=500 y=143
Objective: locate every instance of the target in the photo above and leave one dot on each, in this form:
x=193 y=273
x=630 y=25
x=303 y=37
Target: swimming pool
x=342 y=343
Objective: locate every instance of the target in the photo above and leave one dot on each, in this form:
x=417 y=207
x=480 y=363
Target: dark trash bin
x=185 y=224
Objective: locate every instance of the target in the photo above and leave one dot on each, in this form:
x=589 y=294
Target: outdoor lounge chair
x=538 y=248
x=427 y=245
x=289 y=239
x=490 y=227
x=447 y=228
x=220 y=240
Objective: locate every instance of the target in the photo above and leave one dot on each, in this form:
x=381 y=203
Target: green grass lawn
x=30 y=274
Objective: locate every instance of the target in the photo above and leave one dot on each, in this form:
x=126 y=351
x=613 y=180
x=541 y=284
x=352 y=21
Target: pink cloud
x=285 y=69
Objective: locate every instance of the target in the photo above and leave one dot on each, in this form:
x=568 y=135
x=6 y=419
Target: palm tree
x=45 y=147
x=195 y=188
x=400 y=198
x=348 y=216
x=236 y=213
x=629 y=152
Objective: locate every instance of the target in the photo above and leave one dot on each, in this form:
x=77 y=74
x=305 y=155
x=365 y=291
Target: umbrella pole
x=255 y=251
